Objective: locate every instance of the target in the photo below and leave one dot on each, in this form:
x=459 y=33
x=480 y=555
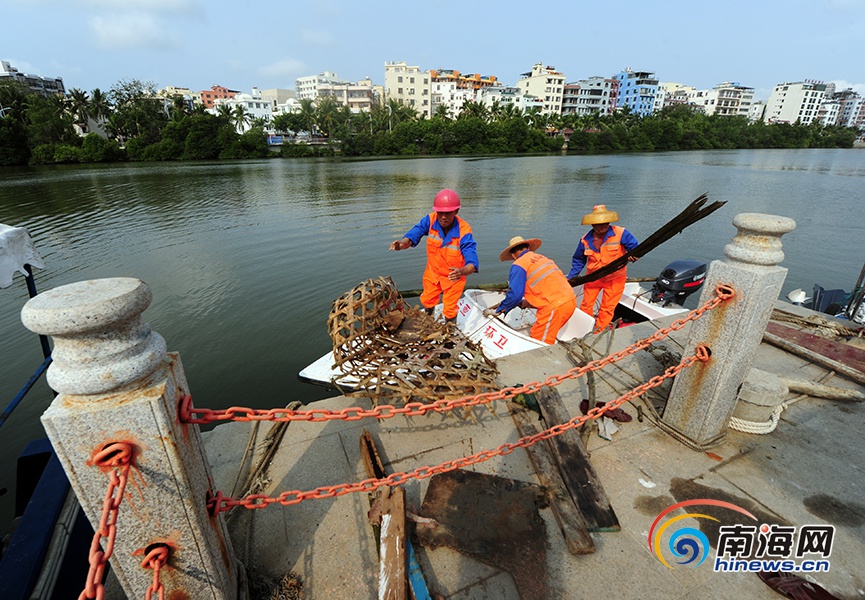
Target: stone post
x=117 y=384
x=703 y=396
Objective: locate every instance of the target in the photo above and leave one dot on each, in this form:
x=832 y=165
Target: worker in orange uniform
x=535 y=280
x=451 y=253
x=598 y=248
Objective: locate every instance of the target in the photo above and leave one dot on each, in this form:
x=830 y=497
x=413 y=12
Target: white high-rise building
x=726 y=99
x=544 y=83
x=795 y=102
x=307 y=87
x=409 y=85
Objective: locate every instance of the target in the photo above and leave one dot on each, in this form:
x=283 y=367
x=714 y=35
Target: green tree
x=78 y=104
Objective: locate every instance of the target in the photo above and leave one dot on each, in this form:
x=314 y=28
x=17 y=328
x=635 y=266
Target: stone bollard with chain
x=703 y=397
x=116 y=383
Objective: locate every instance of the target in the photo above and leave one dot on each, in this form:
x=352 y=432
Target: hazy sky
x=266 y=44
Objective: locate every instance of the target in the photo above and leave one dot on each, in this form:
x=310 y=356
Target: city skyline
x=196 y=44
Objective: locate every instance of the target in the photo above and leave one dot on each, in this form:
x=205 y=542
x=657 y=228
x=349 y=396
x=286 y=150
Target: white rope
x=754 y=427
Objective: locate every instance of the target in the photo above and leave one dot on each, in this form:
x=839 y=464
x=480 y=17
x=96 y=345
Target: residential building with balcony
x=793 y=102
x=359 y=97
x=674 y=93
x=851 y=107
x=44 y=86
x=306 y=88
x=449 y=94
x=726 y=99
x=546 y=84
x=509 y=96
x=256 y=108
x=216 y=92
x=408 y=85
x=639 y=91
x=595 y=95
x=757 y=111
x=471 y=81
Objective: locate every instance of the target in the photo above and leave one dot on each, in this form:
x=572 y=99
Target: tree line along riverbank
x=139 y=126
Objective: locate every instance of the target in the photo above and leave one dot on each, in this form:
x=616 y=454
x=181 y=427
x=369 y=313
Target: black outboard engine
x=677 y=281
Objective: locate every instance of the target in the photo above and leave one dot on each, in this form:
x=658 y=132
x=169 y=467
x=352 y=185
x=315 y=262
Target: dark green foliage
x=14 y=149
x=97 y=149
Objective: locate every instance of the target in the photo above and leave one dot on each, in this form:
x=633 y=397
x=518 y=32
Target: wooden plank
x=570 y=520
x=374 y=468
x=577 y=472
x=392 y=570
x=838 y=351
x=815 y=357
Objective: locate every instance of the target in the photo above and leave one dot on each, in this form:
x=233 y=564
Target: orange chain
x=155 y=559
x=187 y=413
x=118 y=456
x=219 y=503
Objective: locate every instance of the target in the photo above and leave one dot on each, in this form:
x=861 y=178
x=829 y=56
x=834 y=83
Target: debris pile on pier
x=391 y=351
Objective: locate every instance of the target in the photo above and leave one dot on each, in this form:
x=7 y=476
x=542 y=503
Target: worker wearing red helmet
x=603 y=244
x=451 y=253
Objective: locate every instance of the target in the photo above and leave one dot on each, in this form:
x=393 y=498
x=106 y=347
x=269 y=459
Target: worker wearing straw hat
x=603 y=244
x=536 y=281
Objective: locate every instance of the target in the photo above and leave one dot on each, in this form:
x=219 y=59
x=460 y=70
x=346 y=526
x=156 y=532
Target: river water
x=245 y=258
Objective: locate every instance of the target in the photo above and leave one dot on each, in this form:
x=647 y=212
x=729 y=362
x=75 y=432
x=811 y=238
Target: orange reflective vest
x=440 y=256
x=611 y=249
x=546 y=285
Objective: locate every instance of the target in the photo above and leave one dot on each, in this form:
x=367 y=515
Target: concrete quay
x=809 y=471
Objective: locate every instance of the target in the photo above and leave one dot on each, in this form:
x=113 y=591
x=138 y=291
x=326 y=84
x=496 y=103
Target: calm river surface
x=245 y=258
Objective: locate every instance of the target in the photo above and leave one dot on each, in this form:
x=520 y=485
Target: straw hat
x=534 y=244
x=600 y=214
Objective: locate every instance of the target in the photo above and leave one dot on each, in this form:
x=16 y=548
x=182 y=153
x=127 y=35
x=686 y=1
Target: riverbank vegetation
x=135 y=124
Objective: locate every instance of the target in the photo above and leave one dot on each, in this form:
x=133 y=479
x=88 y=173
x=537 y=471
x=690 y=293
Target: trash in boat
x=388 y=350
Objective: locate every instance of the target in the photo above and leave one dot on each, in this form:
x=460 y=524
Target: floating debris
x=390 y=351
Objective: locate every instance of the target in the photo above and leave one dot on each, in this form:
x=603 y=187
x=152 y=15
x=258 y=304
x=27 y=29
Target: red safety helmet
x=446 y=201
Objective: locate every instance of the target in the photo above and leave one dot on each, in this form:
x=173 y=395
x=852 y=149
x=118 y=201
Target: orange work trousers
x=450 y=292
x=551 y=319
x=612 y=285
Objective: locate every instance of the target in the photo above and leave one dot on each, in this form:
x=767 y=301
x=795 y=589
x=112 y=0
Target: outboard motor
x=677 y=281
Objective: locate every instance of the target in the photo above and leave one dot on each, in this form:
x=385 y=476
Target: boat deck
x=810 y=470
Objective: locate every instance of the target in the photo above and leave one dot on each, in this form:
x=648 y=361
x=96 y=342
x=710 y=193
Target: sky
x=268 y=44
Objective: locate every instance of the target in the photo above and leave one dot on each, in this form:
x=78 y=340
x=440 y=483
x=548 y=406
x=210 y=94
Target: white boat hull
x=504 y=336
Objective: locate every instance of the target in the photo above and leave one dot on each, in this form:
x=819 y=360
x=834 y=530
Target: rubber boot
x=452 y=320
x=428 y=311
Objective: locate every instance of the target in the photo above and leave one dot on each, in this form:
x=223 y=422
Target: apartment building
x=546 y=84
x=595 y=95
x=409 y=85
x=725 y=99
x=256 y=107
x=306 y=88
x=639 y=91
x=216 y=92
x=277 y=96
x=37 y=84
x=792 y=102
x=509 y=96
x=851 y=106
x=674 y=93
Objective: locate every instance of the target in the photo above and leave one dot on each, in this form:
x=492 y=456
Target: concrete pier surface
x=809 y=471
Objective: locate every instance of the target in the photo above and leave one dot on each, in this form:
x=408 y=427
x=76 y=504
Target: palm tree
x=443 y=112
x=224 y=111
x=100 y=108
x=78 y=104
x=240 y=117
x=474 y=109
x=307 y=114
x=325 y=114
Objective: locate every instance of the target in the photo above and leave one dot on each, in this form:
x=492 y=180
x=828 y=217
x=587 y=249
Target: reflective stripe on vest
x=546 y=285
x=441 y=257
x=611 y=249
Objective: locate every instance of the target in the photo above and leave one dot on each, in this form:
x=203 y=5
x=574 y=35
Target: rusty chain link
x=218 y=503
x=155 y=559
x=118 y=457
x=189 y=414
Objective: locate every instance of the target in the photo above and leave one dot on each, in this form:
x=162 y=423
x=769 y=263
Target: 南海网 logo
x=688 y=544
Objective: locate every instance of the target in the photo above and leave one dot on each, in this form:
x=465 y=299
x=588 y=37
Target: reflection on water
x=244 y=259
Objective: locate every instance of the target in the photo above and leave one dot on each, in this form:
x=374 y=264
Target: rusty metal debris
x=391 y=351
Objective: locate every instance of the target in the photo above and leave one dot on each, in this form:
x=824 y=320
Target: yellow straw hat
x=600 y=214
x=534 y=244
